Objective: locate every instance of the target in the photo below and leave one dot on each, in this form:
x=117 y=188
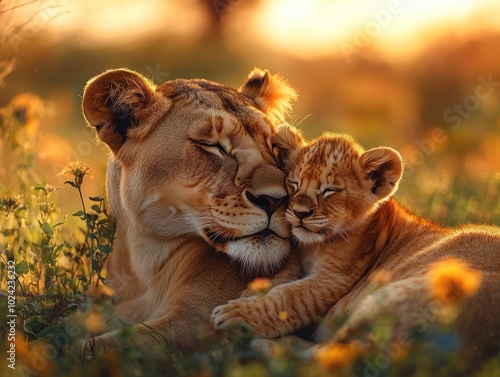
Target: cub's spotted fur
x=349 y=232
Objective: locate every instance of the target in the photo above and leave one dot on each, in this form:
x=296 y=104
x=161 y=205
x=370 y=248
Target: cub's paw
x=225 y=316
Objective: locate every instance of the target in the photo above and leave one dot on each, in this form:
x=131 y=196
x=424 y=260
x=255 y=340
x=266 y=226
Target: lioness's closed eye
x=347 y=229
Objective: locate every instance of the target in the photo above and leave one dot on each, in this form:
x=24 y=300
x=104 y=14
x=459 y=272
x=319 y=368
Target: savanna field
x=439 y=106
x=61 y=294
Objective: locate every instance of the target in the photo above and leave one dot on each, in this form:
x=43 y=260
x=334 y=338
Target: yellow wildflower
x=98 y=291
x=22 y=346
x=283 y=316
x=78 y=170
x=336 y=355
x=260 y=285
x=451 y=280
x=45 y=366
x=26 y=109
x=94 y=321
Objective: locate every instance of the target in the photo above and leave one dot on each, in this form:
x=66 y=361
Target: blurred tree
x=216 y=10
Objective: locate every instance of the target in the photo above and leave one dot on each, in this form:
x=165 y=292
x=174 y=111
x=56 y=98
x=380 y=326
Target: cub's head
x=333 y=183
x=196 y=160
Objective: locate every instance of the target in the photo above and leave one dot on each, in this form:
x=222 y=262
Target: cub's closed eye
x=331 y=190
x=294 y=184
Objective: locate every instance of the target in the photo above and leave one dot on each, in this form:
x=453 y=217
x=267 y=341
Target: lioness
x=349 y=229
x=198 y=198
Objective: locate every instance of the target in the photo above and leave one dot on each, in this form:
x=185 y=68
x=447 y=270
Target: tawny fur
x=349 y=233
x=191 y=182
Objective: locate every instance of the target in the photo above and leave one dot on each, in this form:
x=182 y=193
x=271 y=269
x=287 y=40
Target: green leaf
x=40 y=187
x=34 y=325
x=8 y=232
x=106 y=249
x=71 y=183
x=22 y=267
x=9 y=254
x=96 y=208
x=47 y=229
x=49 y=274
x=53 y=333
x=79 y=213
x=58 y=248
x=96 y=198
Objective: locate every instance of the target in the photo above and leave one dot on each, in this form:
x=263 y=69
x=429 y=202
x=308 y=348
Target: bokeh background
x=420 y=76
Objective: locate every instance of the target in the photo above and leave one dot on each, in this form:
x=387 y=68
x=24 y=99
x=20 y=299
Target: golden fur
x=360 y=252
x=196 y=192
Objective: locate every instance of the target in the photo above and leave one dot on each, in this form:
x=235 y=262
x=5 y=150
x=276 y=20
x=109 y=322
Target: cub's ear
x=115 y=102
x=271 y=93
x=384 y=167
x=288 y=141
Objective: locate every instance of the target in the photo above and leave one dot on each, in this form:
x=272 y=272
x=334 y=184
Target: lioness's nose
x=267 y=190
x=266 y=202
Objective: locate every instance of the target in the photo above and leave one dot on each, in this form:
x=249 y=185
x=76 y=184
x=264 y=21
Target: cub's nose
x=268 y=203
x=303 y=207
x=301 y=215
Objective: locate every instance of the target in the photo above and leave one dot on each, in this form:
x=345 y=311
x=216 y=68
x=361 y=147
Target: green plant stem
x=81 y=197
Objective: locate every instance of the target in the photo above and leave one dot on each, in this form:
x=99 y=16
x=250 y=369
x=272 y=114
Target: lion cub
x=349 y=232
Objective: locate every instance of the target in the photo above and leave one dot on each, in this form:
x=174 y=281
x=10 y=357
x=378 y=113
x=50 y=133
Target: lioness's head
x=196 y=159
x=333 y=183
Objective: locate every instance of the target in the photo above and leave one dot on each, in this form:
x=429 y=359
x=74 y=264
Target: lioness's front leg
x=182 y=315
x=185 y=324
x=152 y=336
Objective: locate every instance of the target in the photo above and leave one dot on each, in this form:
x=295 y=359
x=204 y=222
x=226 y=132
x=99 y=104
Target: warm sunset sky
x=305 y=27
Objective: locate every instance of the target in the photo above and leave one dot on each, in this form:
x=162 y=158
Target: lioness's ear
x=271 y=93
x=289 y=141
x=384 y=167
x=115 y=102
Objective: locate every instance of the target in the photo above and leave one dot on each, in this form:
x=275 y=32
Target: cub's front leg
x=282 y=310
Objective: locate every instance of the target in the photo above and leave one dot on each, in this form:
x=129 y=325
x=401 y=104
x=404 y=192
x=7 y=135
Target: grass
x=61 y=296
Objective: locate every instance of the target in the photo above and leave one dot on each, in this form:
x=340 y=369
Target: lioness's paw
x=84 y=349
